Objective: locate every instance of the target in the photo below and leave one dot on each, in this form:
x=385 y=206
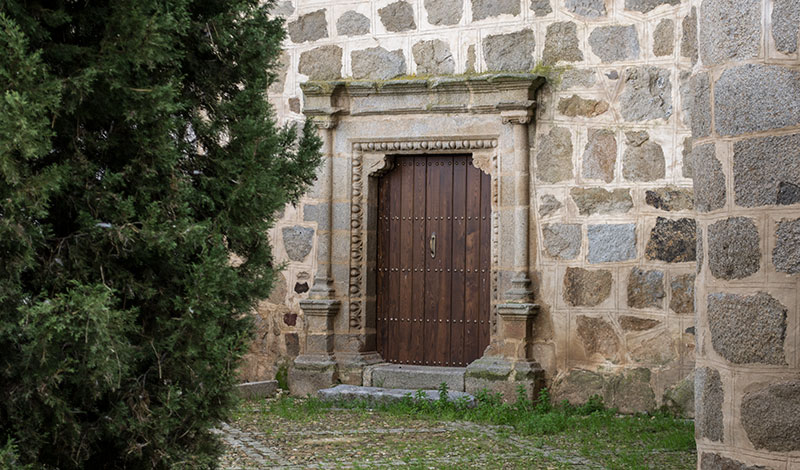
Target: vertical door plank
x=457 y=357
x=383 y=263
x=418 y=252
x=444 y=247
x=472 y=265
x=394 y=262
x=486 y=243
x=406 y=257
x=431 y=263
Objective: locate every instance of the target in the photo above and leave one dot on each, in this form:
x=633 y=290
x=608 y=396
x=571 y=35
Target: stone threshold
x=414 y=377
x=380 y=395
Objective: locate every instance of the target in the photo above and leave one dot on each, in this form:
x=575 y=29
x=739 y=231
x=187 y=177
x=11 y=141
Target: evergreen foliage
x=139 y=167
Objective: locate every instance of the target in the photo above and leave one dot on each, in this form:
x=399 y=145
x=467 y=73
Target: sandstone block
x=482 y=9
x=682 y=293
x=643 y=160
x=541 y=7
x=554 y=159
x=308 y=27
x=756 y=97
x=378 y=63
x=615 y=43
x=586 y=288
x=729 y=29
x=664 y=38
x=687 y=169
x=709 y=395
x=709 y=180
x=283 y=9
x=444 y=12
x=689 y=36
x=562 y=241
x=733 y=248
x=670 y=198
x=646 y=288
x=322 y=63
x=646 y=6
x=561 y=43
x=647 y=94
x=509 y=52
x=433 y=58
x=601 y=201
x=765 y=169
x=600 y=155
x=587 y=8
x=548 y=205
x=611 y=242
x=397 y=17
x=679 y=398
x=352 y=23
x=771 y=416
x=672 y=241
x=700 y=89
x=747 y=329
x=631 y=323
x=786 y=254
x=578 y=385
x=577 y=106
x=631 y=392
x=597 y=336
x=578 y=78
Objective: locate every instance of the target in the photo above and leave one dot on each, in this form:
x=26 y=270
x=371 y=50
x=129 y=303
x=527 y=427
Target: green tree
x=140 y=165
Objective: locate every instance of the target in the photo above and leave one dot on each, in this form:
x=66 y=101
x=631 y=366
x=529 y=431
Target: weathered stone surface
x=541 y=7
x=600 y=155
x=709 y=395
x=282 y=69
x=612 y=75
x=687 y=169
x=601 y=201
x=482 y=9
x=377 y=395
x=647 y=94
x=509 y=52
x=378 y=63
x=615 y=43
x=679 y=398
x=577 y=106
x=631 y=323
x=586 y=288
x=664 y=38
x=645 y=288
x=263 y=389
x=700 y=250
x=786 y=254
x=630 y=391
x=308 y=27
x=756 y=97
x=548 y=205
x=642 y=160
x=292 y=341
x=444 y=12
x=761 y=165
x=298 y=241
x=578 y=385
x=700 y=87
x=352 y=23
x=416 y=377
x=284 y=9
x=301 y=287
x=597 y=336
x=788 y=193
x=279 y=289
x=709 y=180
x=561 y=43
x=785 y=25
x=672 y=241
x=686 y=96
x=397 y=17
x=689 y=36
x=682 y=295
x=472 y=59
x=771 y=416
x=562 y=241
x=646 y=6
x=578 y=78
x=733 y=248
x=611 y=242
x=433 y=58
x=710 y=461
x=322 y=63
x=294 y=105
x=729 y=29
x=554 y=159
x=670 y=198
x=747 y=329
x=588 y=8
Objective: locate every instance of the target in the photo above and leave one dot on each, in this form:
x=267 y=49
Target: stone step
x=414 y=377
x=265 y=389
x=379 y=395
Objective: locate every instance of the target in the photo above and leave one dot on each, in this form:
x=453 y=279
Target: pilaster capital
x=320 y=307
x=517 y=112
x=324 y=118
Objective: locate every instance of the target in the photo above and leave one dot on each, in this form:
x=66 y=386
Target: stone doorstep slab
x=413 y=377
x=385 y=395
x=265 y=389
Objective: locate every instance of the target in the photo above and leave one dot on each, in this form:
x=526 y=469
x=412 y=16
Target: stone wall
x=614 y=246
x=746 y=164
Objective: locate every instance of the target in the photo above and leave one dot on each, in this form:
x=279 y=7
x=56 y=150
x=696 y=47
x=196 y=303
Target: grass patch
x=600 y=434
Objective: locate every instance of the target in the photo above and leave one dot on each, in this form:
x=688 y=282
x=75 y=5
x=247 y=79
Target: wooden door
x=433 y=261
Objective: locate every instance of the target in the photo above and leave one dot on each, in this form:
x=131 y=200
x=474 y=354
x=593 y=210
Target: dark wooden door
x=433 y=261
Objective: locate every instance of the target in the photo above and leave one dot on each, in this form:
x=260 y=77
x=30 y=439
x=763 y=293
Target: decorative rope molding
x=357 y=289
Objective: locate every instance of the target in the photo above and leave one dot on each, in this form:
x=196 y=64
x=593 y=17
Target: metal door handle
x=433 y=245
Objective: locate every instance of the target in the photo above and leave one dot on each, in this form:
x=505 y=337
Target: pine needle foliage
x=140 y=165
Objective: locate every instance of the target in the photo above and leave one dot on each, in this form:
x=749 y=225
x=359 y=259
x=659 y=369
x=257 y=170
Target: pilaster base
x=505 y=376
x=310 y=373
x=352 y=365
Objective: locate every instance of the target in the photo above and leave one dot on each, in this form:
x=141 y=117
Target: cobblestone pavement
x=345 y=439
